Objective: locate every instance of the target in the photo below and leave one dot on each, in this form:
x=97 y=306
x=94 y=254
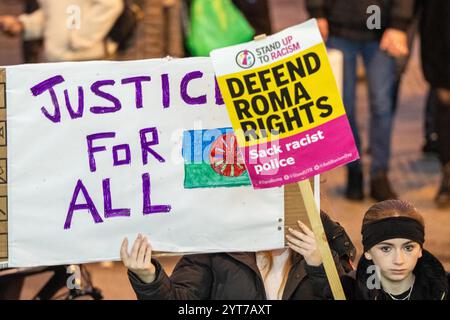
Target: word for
x=104 y=89
x=147 y=142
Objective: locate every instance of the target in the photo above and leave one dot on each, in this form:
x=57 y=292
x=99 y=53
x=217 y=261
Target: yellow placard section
x=282 y=99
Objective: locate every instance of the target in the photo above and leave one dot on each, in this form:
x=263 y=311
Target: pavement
x=414 y=175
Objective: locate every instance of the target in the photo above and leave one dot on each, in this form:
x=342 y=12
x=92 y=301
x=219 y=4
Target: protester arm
x=339 y=241
x=190 y=280
x=33 y=25
x=96 y=24
x=321 y=286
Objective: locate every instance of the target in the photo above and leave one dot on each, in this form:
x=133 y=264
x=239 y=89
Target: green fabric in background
x=216 y=24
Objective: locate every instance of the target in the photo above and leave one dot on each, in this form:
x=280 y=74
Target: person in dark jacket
x=257 y=13
x=435 y=41
x=279 y=274
x=376 y=31
x=31 y=49
x=394 y=265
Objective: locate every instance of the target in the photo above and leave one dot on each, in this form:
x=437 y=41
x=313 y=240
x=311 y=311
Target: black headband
x=391 y=228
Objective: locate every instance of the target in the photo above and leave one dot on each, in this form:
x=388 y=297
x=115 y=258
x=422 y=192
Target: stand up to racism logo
x=245 y=59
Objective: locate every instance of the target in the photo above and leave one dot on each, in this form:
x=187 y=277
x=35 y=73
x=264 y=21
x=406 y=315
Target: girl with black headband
x=394 y=266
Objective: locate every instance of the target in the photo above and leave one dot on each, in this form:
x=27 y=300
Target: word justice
x=75 y=103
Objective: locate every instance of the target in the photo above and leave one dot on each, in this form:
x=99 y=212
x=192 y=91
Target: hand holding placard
x=303 y=241
x=139 y=260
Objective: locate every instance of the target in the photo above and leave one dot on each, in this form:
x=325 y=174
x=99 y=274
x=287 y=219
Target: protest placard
x=285 y=107
x=102 y=150
x=288 y=116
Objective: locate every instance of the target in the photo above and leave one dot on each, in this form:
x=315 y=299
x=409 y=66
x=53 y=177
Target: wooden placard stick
x=319 y=232
x=321 y=239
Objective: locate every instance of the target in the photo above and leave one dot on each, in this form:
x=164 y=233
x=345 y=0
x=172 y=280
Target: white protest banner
x=102 y=150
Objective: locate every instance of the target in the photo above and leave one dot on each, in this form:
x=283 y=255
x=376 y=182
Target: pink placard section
x=302 y=155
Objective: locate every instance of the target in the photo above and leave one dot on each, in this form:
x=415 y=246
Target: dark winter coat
x=431 y=281
x=348 y=18
x=257 y=14
x=435 y=40
x=235 y=276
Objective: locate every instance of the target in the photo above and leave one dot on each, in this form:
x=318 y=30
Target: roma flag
x=212 y=159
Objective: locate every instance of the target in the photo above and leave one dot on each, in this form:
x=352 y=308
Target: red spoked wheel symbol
x=225 y=157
